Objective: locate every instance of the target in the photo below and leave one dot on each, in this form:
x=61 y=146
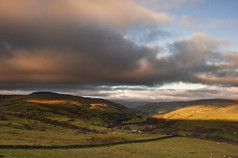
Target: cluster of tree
x=159 y=123
x=220 y=138
x=231 y=127
x=3 y=117
x=202 y=130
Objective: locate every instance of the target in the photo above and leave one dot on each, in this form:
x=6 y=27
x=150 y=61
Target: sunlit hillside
x=219 y=111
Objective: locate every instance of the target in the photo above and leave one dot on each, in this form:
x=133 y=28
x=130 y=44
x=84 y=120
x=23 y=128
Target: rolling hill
x=215 y=119
x=227 y=111
x=53 y=106
x=45 y=118
x=165 y=107
x=130 y=104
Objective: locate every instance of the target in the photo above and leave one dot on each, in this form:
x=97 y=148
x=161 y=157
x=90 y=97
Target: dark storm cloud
x=49 y=47
x=43 y=46
x=147 y=34
x=87 y=54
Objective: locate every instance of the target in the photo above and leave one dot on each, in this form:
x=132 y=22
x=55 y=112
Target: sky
x=143 y=50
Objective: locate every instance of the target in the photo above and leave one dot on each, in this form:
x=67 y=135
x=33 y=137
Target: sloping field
x=204 y=112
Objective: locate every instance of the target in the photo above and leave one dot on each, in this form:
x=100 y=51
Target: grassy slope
x=18 y=131
x=90 y=113
x=216 y=111
x=227 y=112
x=169 y=148
x=65 y=106
x=165 y=107
x=85 y=102
x=214 y=119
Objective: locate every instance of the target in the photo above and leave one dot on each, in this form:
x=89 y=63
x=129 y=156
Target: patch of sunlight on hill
x=98 y=105
x=53 y=102
x=203 y=112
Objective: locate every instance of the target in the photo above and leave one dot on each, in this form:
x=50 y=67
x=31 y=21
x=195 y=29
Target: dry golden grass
x=202 y=112
x=54 y=102
x=98 y=105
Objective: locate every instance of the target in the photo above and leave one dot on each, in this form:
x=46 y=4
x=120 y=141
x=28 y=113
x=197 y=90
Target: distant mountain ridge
x=130 y=104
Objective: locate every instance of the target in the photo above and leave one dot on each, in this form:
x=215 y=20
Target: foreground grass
x=9 y=136
x=169 y=148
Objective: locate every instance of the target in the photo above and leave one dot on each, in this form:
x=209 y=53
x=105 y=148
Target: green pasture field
x=178 y=147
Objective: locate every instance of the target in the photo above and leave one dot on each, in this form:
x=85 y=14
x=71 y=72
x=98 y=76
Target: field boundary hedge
x=81 y=145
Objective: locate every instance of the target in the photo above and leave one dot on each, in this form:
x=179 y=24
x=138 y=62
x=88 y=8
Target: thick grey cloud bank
x=68 y=44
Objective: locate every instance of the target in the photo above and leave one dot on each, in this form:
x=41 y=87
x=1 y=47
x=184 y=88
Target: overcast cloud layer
x=70 y=44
